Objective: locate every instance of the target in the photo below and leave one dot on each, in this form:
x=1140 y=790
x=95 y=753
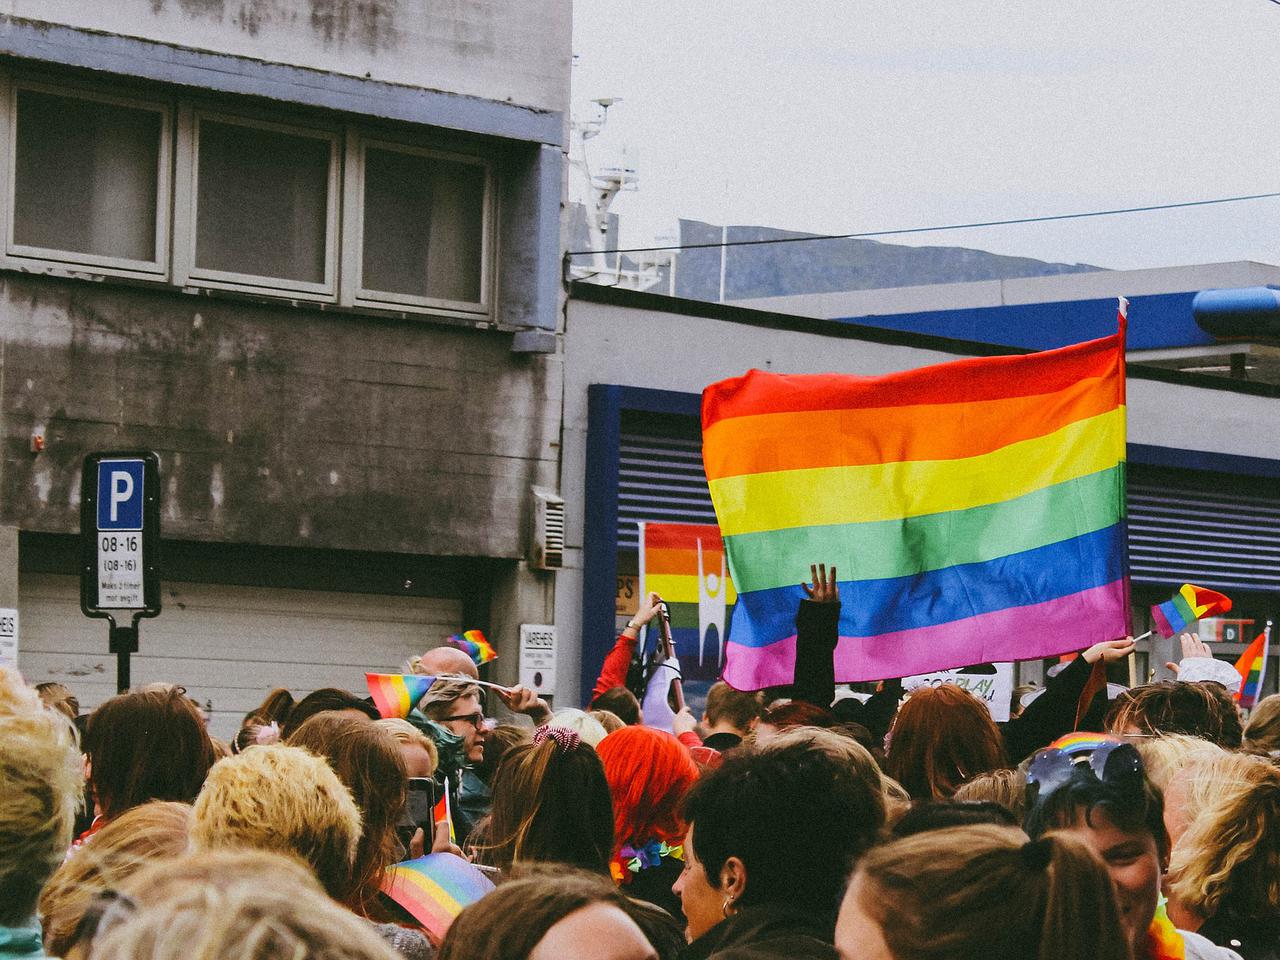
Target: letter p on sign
x=120 y=494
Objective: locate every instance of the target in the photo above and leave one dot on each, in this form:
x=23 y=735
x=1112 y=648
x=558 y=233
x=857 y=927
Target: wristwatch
x=632 y=625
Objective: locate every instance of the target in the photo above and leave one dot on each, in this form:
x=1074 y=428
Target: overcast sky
x=836 y=116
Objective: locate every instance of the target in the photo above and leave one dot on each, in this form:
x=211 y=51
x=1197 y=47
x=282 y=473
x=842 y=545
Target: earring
x=724 y=907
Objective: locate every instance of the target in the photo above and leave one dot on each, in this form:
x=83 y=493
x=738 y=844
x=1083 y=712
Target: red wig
x=649 y=772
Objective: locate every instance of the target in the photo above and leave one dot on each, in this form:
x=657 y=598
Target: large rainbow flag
x=974 y=509
x=685 y=564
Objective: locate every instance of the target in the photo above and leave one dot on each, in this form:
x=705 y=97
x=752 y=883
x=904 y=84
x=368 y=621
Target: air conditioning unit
x=548 y=531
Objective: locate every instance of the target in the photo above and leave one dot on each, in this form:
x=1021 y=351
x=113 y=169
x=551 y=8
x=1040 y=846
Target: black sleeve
x=817 y=632
x=1049 y=715
x=880 y=709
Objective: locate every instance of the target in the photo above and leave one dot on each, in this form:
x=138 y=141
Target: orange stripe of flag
x=681 y=562
x=806 y=439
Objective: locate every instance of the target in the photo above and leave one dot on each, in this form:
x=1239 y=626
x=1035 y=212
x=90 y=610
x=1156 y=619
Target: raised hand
x=823 y=589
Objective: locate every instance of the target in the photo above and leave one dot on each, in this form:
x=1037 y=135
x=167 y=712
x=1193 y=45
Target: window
x=424 y=228
x=88 y=180
x=265 y=205
x=106 y=182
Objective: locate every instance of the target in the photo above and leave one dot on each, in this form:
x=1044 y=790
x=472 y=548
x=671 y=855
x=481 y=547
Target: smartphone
x=419 y=810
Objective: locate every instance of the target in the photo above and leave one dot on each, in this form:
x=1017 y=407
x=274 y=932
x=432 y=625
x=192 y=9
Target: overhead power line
x=811 y=238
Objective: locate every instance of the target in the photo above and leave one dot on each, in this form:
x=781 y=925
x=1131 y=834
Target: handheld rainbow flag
x=396 y=694
x=975 y=509
x=1187 y=606
x=435 y=889
x=684 y=563
x=474 y=645
x=1252 y=667
x=444 y=811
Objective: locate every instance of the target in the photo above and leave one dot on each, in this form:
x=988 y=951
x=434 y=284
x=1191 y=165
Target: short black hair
x=1134 y=806
x=943 y=814
x=797 y=817
x=621 y=702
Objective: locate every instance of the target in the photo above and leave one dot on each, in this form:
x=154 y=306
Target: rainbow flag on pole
x=1252 y=667
x=435 y=889
x=974 y=509
x=396 y=694
x=1187 y=606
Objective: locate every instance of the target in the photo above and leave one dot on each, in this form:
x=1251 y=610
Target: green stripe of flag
x=911 y=545
x=1180 y=604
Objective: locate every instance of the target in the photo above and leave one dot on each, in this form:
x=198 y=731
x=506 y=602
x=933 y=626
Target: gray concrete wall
x=508 y=52
x=278 y=425
x=668 y=351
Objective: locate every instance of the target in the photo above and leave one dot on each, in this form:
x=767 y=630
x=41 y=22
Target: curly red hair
x=649 y=772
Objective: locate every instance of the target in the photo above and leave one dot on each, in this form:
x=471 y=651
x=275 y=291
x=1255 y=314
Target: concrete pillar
x=521 y=594
x=9 y=577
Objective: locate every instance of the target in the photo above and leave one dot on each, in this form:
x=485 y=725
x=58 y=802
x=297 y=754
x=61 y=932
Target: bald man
x=446 y=661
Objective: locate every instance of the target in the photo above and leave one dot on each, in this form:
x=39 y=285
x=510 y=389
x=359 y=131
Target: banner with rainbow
x=975 y=509
x=684 y=563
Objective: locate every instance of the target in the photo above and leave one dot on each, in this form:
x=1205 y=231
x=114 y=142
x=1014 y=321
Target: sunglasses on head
x=1112 y=761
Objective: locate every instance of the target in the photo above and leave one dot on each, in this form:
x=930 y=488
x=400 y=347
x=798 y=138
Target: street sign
x=8 y=637
x=120 y=546
x=538 y=657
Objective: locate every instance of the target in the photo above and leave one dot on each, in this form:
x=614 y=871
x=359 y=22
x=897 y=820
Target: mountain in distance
x=824 y=266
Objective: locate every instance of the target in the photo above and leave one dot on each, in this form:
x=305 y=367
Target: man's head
x=621 y=702
x=730 y=710
x=1099 y=793
x=445 y=661
x=455 y=705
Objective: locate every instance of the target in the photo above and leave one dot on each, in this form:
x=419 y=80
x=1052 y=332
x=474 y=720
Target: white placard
x=120 y=571
x=993 y=689
x=538 y=657
x=8 y=637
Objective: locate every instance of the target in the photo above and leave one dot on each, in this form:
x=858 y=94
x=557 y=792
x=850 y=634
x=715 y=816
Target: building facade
x=309 y=253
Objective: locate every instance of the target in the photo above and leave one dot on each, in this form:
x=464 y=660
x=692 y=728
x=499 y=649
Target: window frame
x=45 y=259
x=358 y=141
x=187 y=201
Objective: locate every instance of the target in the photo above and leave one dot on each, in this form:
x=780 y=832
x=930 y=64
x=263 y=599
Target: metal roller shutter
x=660 y=479
x=229 y=645
x=1181 y=535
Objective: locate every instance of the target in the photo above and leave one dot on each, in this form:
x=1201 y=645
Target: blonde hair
x=407 y=734
x=1211 y=778
x=968 y=893
x=282 y=799
x=41 y=787
x=1262 y=732
x=611 y=722
x=587 y=727
x=441 y=695
x=229 y=906
x=150 y=832
x=1231 y=851
x=1164 y=756
x=59 y=697
x=1005 y=787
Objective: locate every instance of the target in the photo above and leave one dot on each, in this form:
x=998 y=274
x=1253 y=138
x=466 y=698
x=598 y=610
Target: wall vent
x=548 y=531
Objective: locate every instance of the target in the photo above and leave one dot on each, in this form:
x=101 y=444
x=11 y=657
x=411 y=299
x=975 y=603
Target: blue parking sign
x=120 y=495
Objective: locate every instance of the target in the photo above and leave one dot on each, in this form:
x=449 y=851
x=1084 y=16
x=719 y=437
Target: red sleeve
x=616 y=663
x=690 y=739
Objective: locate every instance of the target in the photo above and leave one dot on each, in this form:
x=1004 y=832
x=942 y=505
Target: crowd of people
x=779 y=824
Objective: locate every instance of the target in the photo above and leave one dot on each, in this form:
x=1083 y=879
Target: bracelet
x=632 y=625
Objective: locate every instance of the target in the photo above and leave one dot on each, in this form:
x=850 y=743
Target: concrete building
x=308 y=251
x=1203 y=467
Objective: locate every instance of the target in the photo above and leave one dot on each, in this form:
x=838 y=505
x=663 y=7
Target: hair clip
x=565 y=739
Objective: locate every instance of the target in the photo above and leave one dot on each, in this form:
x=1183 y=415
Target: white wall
x=506 y=50
x=646 y=348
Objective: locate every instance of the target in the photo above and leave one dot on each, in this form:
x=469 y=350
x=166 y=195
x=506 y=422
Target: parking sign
x=119 y=526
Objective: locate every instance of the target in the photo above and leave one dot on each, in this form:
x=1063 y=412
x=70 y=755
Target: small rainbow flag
x=474 y=645
x=435 y=889
x=974 y=509
x=444 y=811
x=395 y=694
x=1187 y=606
x=1252 y=667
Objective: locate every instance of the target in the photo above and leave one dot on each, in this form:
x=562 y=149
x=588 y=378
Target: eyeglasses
x=475 y=719
x=1111 y=761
